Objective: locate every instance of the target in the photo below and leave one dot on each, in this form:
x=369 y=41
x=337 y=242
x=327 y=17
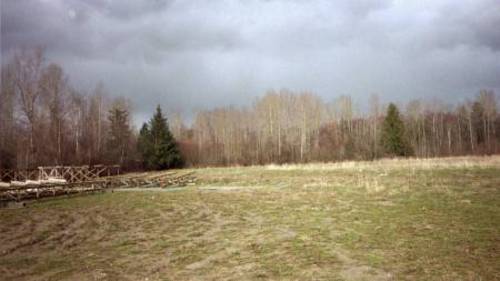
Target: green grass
x=261 y=223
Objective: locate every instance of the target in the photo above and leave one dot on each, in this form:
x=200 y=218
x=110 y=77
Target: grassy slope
x=385 y=221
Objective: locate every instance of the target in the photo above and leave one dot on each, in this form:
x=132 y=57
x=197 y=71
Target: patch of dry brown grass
x=396 y=163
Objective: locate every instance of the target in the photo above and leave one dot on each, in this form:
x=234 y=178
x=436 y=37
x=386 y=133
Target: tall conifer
x=157 y=145
x=393 y=134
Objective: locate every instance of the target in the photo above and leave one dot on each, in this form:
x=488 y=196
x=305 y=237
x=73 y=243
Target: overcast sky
x=188 y=55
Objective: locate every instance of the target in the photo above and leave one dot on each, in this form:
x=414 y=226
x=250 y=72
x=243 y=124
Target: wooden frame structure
x=57 y=181
x=78 y=173
x=71 y=174
x=8 y=175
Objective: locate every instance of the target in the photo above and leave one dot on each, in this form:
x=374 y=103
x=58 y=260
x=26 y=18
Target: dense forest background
x=45 y=121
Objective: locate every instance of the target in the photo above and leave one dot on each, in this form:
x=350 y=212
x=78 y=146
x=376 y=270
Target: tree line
x=285 y=126
x=45 y=121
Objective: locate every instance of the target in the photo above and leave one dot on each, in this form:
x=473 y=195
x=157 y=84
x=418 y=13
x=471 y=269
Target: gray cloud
x=125 y=10
x=199 y=54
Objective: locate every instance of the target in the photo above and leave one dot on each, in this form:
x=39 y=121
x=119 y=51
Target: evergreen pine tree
x=393 y=133
x=157 y=145
x=145 y=146
x=119 y=134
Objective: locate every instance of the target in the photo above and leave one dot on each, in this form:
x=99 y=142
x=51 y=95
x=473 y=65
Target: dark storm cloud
x=473 y=24
x=199 y=54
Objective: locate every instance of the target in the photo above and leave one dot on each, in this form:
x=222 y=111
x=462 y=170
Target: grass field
x=384 y=220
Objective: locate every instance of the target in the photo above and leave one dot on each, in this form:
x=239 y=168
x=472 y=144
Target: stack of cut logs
x=31 y=189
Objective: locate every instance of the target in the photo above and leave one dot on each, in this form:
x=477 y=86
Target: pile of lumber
x=34 y=189
x=19 y=191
